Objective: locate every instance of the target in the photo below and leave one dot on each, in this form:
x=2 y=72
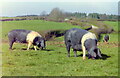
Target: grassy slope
x=36 y=25
x=53 y=61
x=113 y=24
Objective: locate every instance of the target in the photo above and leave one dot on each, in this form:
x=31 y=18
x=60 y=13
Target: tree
x=43 y=13
x=56 y=14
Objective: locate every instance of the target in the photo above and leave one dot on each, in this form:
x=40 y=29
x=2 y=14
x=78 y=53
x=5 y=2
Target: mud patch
x=51 y=34
x=56 y=43
x=109 y=44
x=5 y=41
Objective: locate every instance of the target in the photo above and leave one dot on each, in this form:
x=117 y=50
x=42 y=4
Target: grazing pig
x=26 y=36
x=106 y=38
x=80 y=39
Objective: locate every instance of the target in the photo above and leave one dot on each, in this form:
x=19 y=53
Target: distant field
x=113 y=24
x=53 y=60
x=36 y=25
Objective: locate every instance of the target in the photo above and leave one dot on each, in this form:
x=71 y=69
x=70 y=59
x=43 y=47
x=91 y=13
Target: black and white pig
x=106 y=38
x=26 y=36
x=80 y=39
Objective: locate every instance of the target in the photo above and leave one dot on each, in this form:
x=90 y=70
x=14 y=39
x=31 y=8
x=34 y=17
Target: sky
x=36 y=7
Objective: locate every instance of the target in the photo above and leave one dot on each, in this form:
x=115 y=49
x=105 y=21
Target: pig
x=80 y=39
x=26 y=36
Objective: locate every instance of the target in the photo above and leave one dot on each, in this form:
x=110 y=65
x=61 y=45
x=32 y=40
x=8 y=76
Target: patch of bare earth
x=109 y=44
x=57 y=43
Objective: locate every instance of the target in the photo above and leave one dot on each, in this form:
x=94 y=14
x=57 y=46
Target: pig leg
x=11 y=44
x=41 y=48
x=75 y=53
x=29 y=44
x=83 y=48
x=68 y=49
x=11 y=41
x=35 y=48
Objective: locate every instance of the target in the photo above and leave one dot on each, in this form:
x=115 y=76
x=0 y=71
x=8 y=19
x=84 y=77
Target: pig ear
x=94 y=54
x=37 y=43
x=99 y=53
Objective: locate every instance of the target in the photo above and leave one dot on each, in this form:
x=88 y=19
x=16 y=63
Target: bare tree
x=56 y=15
x=43 y=13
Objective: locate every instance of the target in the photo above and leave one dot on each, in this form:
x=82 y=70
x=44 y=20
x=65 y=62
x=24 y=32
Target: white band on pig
x=88 y=35
x=31 y=36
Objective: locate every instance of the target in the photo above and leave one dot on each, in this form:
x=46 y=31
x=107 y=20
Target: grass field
x=113 y=24
x=53 y=60
x=36 y=25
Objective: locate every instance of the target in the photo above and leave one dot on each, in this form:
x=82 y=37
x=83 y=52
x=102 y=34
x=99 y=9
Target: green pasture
x=113 y=24
x=36 y=25
x=54 y=61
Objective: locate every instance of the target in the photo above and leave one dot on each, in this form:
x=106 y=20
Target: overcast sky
x=20 y=7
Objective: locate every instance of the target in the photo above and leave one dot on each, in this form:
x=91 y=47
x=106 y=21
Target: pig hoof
x=84 y=58
x=75 y=56
x=68 y=56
